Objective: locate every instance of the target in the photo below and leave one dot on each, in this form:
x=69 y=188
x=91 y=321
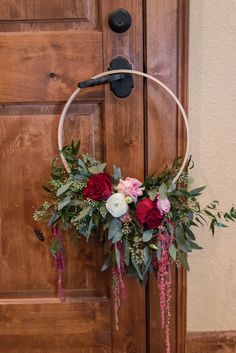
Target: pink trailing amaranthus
x=164 y=282
x=118 y=286
x=57 y=252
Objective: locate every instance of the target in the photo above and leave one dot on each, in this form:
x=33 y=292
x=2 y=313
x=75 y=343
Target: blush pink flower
x=163 y=205
x=130 y=187
x=126 y=218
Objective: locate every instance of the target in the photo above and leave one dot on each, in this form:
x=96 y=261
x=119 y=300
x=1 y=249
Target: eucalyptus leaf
x=81 y=164
x=197 y=191
x=169 y=228
x=126 y=252
x=159 y=251
x=172 y=188
x=189 y=232
x=117 y=173
x=54 y=218
x=83 y=213
x=96 y=219
x=137 y=268
x=117 y=253
x=195 y=246
x=147 y=235
x=153 y=194
x=89 y=230
x=95 y=169
x=147 y=255
x=115 y=229
x=173 y=251
x=63 y=189
x=103 y=211
x=182 y=243
x=220 y=225
x=163 y=191
x=68 y=157
x=107 y=263
x=63 y=203
x=183 y=259
x=117 y=237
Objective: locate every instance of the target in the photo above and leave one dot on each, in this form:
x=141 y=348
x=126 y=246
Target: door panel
x=46 y=10
x=44 y=66
x=34 y=15
x=46 y=325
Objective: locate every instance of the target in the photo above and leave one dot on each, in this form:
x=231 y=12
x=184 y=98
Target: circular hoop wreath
x=145 y=226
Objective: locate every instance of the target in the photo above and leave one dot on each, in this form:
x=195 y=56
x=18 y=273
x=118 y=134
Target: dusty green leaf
x=163 y=191
x=107 y=263
x=63 y=203
x=197 y=191
x=195 y=245
x=147 y=235
x=153 y=194
x=159 y=251
x=183 y=259
x=137 y=268
x=114 y=230
x=95 y=169
x=173 y=251
x=63 y=189
x=83 y=213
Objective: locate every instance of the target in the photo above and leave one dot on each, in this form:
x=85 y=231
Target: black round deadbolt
x=120 y=20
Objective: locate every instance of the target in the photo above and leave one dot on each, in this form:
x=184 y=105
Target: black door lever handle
x=101 y=80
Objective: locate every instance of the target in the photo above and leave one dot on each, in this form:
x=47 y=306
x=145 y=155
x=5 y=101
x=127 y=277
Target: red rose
x=153 y=219
x=99 y=187
x=148 y=214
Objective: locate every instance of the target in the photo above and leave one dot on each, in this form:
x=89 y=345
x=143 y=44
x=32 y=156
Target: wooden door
x=46 y=46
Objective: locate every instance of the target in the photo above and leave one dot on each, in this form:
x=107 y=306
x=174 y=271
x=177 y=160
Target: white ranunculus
x=116 y=205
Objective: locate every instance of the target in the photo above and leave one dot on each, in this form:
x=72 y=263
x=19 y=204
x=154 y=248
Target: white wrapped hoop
x=133 y=72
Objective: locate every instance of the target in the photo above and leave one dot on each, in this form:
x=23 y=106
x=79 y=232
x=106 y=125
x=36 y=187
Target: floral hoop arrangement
x=146 y=226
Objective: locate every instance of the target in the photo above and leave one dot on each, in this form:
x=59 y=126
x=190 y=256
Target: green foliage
x=67 y=208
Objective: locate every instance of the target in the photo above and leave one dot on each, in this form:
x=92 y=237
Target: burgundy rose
x=99 y=187
x=153 y=219
x=148 y=214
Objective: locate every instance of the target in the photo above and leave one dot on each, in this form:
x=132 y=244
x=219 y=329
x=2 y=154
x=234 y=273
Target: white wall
x=212 y=98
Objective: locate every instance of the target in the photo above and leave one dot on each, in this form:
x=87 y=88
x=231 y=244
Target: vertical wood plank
x=165 y=59
x=181 y=285
x=124 y=131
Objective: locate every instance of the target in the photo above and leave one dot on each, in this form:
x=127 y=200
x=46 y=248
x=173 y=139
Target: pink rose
x=126 y=218
x=130 y=187
x=163 y=205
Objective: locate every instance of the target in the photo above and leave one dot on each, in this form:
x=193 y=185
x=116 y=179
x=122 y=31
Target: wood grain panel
x=209 y=342
x=44 y=9
x=28 y=144
x=46 y=66
x=43 y=15
x=161 y=128
x=74 y=326
x=124 y=131
x=165 y=59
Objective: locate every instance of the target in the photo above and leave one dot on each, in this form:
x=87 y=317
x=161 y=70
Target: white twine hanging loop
x=133 y=72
